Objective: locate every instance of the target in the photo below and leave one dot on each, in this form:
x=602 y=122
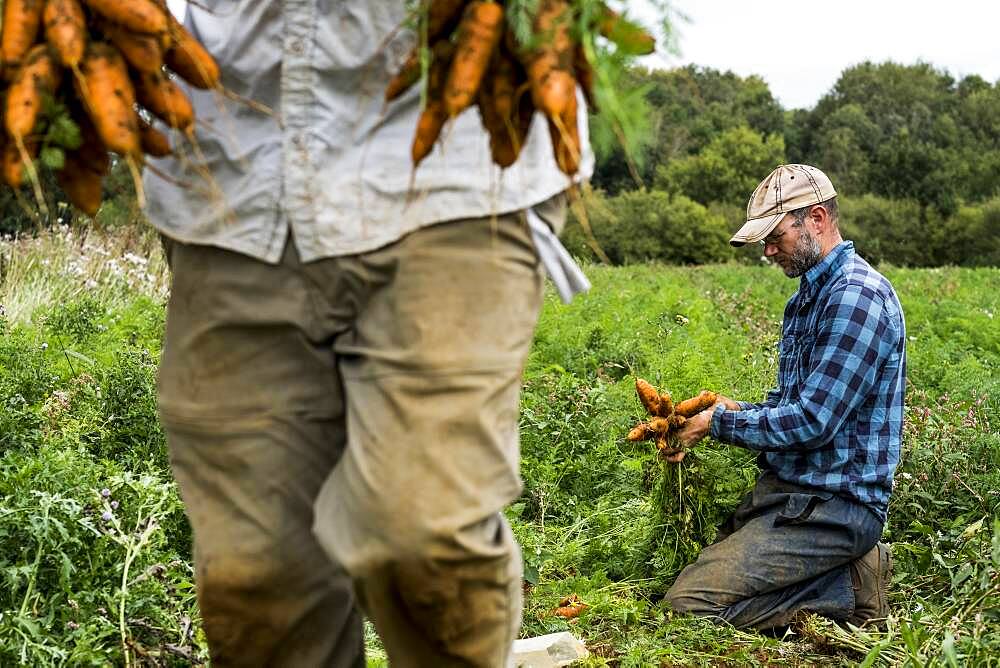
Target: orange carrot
x=648 y=395
x=91 y=151
x=66 y=30
x=154 y=142
x=697 y=404
x=84 y=187
x=566 y=138
x=676 y=421
x=143 y=52
x=549 y=61
x=441 y=17
x=500 y=147
x=109 y=98
x=640 y=432
x=666 y=405
x=515 y=108
x=144 y=16
x=505 y=75
x=39 y=74
x=407 y=75
x=660 y=425
x=663 y=443
x=478 y=35
x=433 y=116
x=165 y=100
x=429 y=126
x=627 y=36
x=21 y=21
x=13 y=166
x=188 y=58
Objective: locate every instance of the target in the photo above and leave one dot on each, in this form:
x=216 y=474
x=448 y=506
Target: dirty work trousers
x=785 y=549
x=344 y=433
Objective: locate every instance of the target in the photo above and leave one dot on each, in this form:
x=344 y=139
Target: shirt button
x=297 y=47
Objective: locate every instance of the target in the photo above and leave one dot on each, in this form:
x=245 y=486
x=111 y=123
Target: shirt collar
x=816 y=277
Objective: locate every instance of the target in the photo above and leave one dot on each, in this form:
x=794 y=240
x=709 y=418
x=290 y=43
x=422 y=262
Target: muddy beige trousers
x=346 y=432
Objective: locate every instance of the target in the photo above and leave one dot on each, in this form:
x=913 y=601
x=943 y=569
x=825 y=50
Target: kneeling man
x=807 y=537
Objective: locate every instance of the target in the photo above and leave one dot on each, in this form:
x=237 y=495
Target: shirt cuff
x=721 y=425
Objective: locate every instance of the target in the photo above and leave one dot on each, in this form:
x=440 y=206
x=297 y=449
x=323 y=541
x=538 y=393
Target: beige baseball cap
x=787 y=188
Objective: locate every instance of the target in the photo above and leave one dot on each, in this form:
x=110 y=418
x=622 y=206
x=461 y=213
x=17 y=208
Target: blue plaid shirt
x=835 y=420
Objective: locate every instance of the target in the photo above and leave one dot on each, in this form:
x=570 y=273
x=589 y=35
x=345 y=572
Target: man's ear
x=819 y=219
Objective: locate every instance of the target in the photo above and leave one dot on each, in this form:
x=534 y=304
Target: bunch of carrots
x=107 y=65
x=472 y=55
x=666 y=417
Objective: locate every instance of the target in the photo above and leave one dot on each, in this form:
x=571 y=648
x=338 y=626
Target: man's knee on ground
x=686 y=596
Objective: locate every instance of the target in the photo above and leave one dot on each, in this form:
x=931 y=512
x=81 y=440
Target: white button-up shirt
x=331 y=164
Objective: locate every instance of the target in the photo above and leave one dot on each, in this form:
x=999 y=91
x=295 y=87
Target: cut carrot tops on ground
x=511 y=59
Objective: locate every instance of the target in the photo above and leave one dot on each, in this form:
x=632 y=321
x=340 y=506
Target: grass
x=94 y=547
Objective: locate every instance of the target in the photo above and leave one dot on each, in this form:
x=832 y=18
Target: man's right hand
x=698 y=431
x=730 y=404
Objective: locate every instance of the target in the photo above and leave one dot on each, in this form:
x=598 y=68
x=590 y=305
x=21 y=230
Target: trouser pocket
x=799 y=507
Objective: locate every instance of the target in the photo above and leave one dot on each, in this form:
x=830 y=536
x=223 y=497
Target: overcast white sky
x=800 y=46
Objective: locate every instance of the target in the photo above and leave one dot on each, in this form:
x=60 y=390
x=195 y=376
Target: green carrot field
x=95 y=548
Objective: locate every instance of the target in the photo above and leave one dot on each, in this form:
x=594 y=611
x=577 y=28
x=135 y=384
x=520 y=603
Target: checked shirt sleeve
x=771 y=401
x=855 y=336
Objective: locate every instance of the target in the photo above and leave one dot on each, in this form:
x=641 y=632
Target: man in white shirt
x=340 y=375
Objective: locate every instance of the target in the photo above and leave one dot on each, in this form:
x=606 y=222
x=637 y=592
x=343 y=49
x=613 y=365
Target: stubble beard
x=806 y=255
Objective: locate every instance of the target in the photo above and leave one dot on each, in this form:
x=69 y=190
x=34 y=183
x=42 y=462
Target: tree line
x=913 y=152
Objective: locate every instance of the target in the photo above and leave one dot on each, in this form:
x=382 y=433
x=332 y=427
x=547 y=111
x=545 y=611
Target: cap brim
x=755 y=230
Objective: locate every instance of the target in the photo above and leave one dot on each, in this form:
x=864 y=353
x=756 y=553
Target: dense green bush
x=902 y=232
x=649 y=225
x=641 y=226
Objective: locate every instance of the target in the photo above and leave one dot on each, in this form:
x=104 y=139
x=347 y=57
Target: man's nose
x=770 y=250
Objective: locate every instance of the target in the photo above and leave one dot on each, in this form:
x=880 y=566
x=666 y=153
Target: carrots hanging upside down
x=510 y=75
x=102 y=67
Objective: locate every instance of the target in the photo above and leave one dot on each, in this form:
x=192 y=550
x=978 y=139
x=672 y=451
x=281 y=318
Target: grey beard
x=805 y=256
